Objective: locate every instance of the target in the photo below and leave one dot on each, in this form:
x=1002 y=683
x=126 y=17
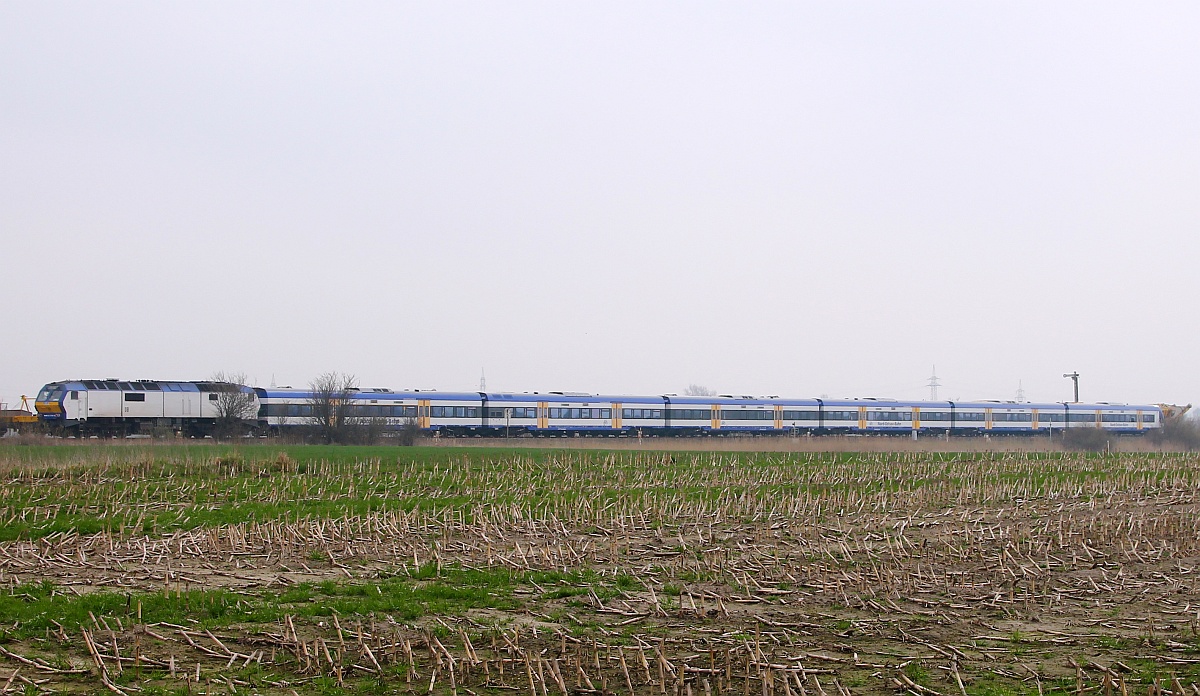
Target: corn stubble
x=601 y=572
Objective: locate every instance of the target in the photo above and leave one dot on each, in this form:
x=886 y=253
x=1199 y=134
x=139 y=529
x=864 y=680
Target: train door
x=75 y=405
x=616 y=416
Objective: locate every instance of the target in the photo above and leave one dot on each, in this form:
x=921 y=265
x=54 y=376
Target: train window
x=938 y=416
x=1147 y=417
x=212 y=397
x=606 y=413
x=1119 y=418
x=1012 y=417
x=134 y=396
x=1082 y=418
x=748 y=415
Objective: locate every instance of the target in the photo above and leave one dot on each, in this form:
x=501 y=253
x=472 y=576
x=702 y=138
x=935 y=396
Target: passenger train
x=118 y=408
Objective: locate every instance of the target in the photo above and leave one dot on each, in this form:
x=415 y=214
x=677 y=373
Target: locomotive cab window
x=211 y=397
x=135 y=396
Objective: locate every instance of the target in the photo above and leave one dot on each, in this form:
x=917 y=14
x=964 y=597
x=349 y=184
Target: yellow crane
x=16 y=419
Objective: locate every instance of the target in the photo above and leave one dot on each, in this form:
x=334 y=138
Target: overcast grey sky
x=766 y=198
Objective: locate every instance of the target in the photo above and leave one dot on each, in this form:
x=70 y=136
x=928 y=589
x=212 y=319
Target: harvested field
x=285 y=570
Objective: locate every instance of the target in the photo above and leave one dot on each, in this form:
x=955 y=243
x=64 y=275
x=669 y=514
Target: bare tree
x=699 y=390
x=330 y=401
x=235 y=405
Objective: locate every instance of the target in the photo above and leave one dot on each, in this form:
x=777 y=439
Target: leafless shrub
x=1182 y=432
x=1087 y=439
x=699 y=390
x=365 y=431
x=409 y=432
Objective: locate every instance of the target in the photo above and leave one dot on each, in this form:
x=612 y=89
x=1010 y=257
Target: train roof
x=706 y=401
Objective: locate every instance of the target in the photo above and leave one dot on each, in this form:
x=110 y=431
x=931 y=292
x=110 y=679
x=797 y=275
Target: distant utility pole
x=1074 y=378
x=1020 y=392
x=482 y=380
x=933 y=385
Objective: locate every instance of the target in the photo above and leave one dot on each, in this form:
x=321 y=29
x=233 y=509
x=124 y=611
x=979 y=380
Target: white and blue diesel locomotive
x=115 y=407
